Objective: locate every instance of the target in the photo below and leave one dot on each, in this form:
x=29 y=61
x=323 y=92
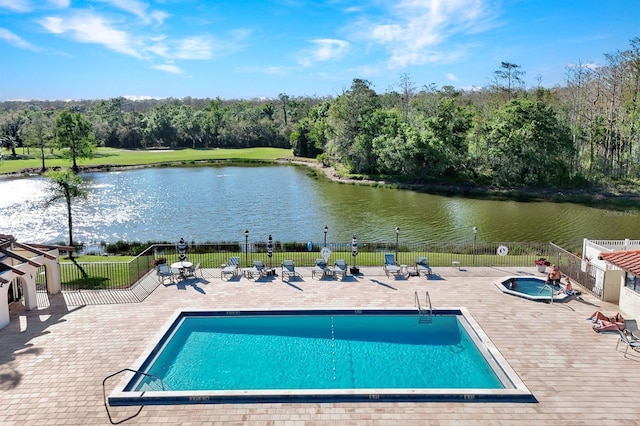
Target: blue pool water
x=321 y=352
x=532 y=286
x=320 y=355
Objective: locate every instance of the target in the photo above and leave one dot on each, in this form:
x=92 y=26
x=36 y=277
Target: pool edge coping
x=518 y=392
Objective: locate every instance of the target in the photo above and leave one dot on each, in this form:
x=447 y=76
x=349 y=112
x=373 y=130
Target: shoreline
x=589 y=197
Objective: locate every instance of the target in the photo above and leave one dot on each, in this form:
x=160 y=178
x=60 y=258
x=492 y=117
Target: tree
x=529 y=146
x=74 y=135
x=508 y=79
x=11 y=127
x=39 y=131
x=351 y=136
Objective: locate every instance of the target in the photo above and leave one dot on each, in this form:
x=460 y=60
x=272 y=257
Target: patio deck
x=53 y=360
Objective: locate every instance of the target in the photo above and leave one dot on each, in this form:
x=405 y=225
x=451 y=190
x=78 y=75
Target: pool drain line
x=333 y=348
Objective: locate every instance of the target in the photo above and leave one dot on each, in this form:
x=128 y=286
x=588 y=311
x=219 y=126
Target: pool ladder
x=154 y=380
x=424 y=314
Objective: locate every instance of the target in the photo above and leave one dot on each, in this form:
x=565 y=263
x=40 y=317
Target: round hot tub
x=530 y=287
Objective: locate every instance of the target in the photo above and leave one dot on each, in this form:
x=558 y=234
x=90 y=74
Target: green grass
x=105 y=157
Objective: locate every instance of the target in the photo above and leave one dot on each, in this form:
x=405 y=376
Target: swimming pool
x=530 y=287
x=328 y=355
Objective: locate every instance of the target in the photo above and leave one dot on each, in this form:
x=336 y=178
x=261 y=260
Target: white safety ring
x=502 y=250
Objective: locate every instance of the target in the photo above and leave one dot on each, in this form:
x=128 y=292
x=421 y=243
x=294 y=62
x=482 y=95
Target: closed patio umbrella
x=354 y=250
x=270 y=249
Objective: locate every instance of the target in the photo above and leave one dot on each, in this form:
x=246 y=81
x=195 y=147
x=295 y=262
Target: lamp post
x=326 y=229
x=397 y=236
x=475 y=235
x=246 y=247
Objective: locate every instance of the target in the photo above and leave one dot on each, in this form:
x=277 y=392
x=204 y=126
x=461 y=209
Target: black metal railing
x=122 y=275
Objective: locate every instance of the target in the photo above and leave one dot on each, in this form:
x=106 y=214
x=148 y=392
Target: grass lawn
x=122 y=157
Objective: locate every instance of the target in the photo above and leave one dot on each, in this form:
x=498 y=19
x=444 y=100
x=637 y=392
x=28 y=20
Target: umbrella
x=354 y=249
x=182 y=248
x=270 y=249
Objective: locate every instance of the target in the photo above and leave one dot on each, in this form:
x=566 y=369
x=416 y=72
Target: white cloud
x=140 y=97
x=194 y=48
x=170 y=68
x=452 y=77
x=15 y=40
x=21 y=6
x=87 y=27
x=59 y=4
x=16 y=5
x=324 y=49
x=138 y=9
x=590 y=66
x=417 y=29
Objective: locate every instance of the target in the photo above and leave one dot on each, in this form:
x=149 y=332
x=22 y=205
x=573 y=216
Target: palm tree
x=66 y=185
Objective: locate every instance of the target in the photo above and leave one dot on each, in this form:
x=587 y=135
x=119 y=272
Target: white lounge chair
x=422 y=267
x=340 y=268
x=258 y=270
x=288 y=269
x=390 y=265
x=319 y=269
x=231 y=269
x=628 y=343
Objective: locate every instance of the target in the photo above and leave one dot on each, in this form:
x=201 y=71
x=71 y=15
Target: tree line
x=583 y=131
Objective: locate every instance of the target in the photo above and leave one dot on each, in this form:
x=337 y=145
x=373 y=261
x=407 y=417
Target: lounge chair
x=628 y=343
x=390 y=265
x=231 y=268
x=319 y=268
x=164 y=273
x=422 y=267
x=631 y=325
x=288 y=269
x=258 y=270
x=340 y=268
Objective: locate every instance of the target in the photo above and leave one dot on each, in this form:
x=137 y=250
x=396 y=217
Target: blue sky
x=64 y=49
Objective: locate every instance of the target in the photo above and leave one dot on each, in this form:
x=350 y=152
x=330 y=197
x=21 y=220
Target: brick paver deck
x=53 y=360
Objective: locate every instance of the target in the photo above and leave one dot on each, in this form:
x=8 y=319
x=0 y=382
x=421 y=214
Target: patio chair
x=164 y=273
x=288 y=269
x=340 y=268
x=422 y=267
x=390 y=265
x=177 y=273
x=231 y=269
x=319 y=268
x=628 y=343
x=631 y=325
x=258 y=270
x=191 y=272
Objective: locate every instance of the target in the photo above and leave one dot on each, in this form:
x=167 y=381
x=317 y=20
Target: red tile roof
x=629 y=260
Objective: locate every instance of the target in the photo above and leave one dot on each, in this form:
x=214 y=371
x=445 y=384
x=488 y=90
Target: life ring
x=502 y=250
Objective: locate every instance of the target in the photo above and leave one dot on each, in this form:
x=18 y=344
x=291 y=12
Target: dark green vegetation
x=582 y=137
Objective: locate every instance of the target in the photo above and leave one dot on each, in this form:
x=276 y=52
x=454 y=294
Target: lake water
x=206 y=204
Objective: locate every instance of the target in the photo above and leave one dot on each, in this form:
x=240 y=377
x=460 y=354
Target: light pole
x=326 y=229
x=397 y=236
x=475 y=235
x=246 y=247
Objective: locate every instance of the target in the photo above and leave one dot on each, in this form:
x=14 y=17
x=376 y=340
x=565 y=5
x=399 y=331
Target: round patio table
x=182 y=266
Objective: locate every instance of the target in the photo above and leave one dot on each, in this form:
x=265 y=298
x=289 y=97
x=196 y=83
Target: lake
x=206 y=204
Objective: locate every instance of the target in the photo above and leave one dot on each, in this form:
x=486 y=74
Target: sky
x=247 y=49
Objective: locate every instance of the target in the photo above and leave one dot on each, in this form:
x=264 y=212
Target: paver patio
x=53 y=360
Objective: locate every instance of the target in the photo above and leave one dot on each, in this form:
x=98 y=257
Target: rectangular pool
x=321 y=355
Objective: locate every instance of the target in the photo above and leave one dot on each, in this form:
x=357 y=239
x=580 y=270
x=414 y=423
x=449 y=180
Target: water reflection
x=219 y=203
